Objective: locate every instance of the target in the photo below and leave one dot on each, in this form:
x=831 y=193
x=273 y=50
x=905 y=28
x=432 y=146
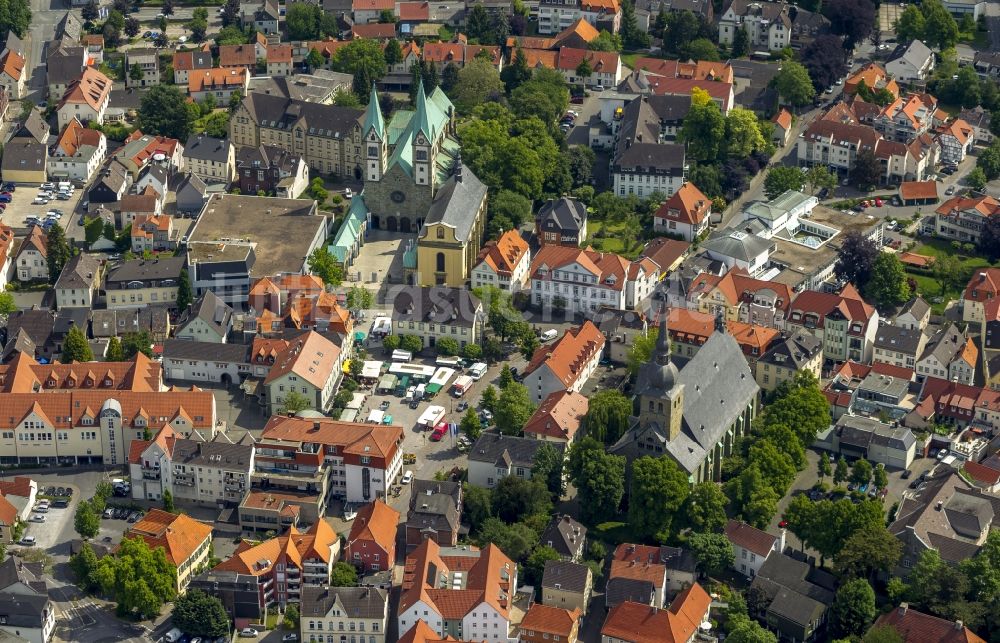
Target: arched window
x=440 y=233
x=440 y=262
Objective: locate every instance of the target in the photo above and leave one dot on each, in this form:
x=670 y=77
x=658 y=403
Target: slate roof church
x=694 y=414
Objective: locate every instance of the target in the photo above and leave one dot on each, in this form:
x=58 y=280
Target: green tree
x=472 y=351
x=861 y=472
x=393 y=53
x=584 y=70
x=888 y=286
x=343 y=575
x=976 y=179
x=743 y=135
x=701 y=49
x=867 y=170
x=85 y=521
x=867 y=552
x=823 y=468
x=793 y=84
x=411 y=343
x=842 y=472
x=880 y=478
x=449 y=77
x=513 y=75
x=514 y=499
x=605 y=41
x=599 y=478
x=548 y=467
x=741 y=43
x=390 y=343
x=854 y=607
x=911 y=24
x=199 y=614
x=446 y=346
x=470 y=424
x=608 y=415
x=168 y=501
x=293 y=403
x=230 y=35
x=75 y=347
x=819 y=177
x=302 y=20
x=114 y=352
x=513 y=409
x=140 y=342
x=477 y=506
x=57 y=251
x=488 y=400
x=704 y=127
x=478 y=24
x=324 y=265
x=361 y=54
x=291 y=620
x=535 y=566
x=477 y=82
x=516 y=540
x=713 y=551
x=314 y=59
x=704 y=509
x=506 y=377
x=882 y=634
x=163 y=111
x=940 y=29
x=184 y=294
x=360 y=298
x=775 y=465
x=801 y=405
x=89 y=13
x=83 y=564
x=751 y=497
x=781 y=179
x=658 y=489
x=135 y=73
x=7 y=305
x=750 y=632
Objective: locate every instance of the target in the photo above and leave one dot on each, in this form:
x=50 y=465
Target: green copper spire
x=422 y=118
x=374 y=116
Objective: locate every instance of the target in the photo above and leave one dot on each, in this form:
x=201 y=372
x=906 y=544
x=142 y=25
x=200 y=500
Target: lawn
x=629 y=59
x=606 y=238
x=929 y=287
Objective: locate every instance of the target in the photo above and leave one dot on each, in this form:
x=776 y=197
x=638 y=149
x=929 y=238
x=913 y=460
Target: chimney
x=902 y=608
x=959 y=625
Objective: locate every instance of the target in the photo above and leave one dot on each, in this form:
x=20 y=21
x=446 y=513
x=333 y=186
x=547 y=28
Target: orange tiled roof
x=12 y=64
x=376 y=522
x=550 y=620
x=311 y=357
x=8 y=512
x=216 y=78
x=237 y=56
x=350 y=437
x=413 y=11
x=293 y=546
x=783 y=118
x=179 y=535
x=20 y=486
x=570 y=352
x=24 y=375
x=917 y=627
x=375 y=30
x=692 y=70
x=36 y=240
x=559 y=416
x=445 y=52
x=601 y=6
x=687 y=205
x=92 y=89
x=279 y=54
x=918 y=190
x=504 y=254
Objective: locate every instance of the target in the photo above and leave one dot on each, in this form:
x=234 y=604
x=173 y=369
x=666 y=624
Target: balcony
x=150 y=474
x=185 y=479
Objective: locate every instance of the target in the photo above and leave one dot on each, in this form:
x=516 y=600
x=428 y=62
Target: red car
x=439 y=432
x=878 y=203
x=783 y=524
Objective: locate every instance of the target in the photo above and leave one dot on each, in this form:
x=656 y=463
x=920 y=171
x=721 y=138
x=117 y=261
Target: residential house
x=210 y=471
x=738 y=297
x=910 y=63
x=479 y=603
x=137 y=283
x=24 y=162
x=147 y=202
x=271 y=170
x=874 y=77
x=682 y=568
x=956 y=139
x=213 y=160
x=913 y=626
x=542 y=623
x=579 y=66
x=915 y=314
x=782 y=127
x=79 y=281
x=557 y=15
x=186 y=542
x=632 y=622
x=12 y=73
x=980 y=120
x=206 y=361
x=751 y=547
x=433 y=313
x=237 y=57
x=494 y=456
x=187 y=62
x=279 y=60
x=503 y=263
x=28 y=612
x=7 y=260
x=153 y=233
x=287 y=565
x=78 y=153
x=371 y=544
x=111 y=182
x=191 y=194
x=208 y=319
x=86 y=98
x=983 y=286
x=608 y=280
x=845 y=323
x=854 y=436
x=950 y=354
x=567 y=585
x=311 y=366
x=367 y=11
x=30 y=258
x=65 y=59
x=142 y=67
x=637 y=574
x=558 y=418
x=788 y=355
x=35 y=127
x=771 y=26
x=364 y=610
x=565 y=365
x=459 y=53
x=265 y=16
x=621 y=328
x=435 y=513
x=219 y=83
x=567 y=536
x=642 y=166
x=795 y=597
x=687 y=213
x=898 y=346
x=561 y=222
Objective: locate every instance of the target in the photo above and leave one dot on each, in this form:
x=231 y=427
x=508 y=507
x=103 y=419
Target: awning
x=347 y=366
x=359 y=335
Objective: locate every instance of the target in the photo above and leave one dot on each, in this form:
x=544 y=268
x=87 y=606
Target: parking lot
x=22 y=207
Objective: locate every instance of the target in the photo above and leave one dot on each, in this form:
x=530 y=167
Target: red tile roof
x=983 y=286
x=569 y=354
x=179 y=535
x=504 y=254
x=559 y=416
x=699 y=70
x=917 y=627
x=665 y=251
x=376 y=30
x=687 y=205
x=550 y=620
x=639 y=623
x=352 y=438
x=375 y=522
x=750 y=538
x=918 y=190
x=237 y=56
x=783 y=118
x=414 y=11
x=981 y=473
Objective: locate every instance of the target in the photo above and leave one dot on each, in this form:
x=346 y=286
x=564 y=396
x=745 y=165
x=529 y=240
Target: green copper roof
x=373 y=119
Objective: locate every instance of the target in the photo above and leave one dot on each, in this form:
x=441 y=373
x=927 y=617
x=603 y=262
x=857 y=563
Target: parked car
x=28 y=541
x=37 y=518
x=462 y=406
x=950 y=190
x=249 y=632
x=348 y=193
x=407 y=477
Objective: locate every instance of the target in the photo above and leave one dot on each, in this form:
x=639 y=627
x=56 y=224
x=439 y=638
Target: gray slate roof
x=793 y=351
x=79 y=272
x=946 y=344
x=187 y=349
x=219 y=453
x=916 y=53
x=622 y=589
x=736 y=244
x=278 y=112
x=456 y=202
x=357 y=602
x=566 y=213
x=796 y=591
x=506 y=450
x=211 y=310
x=23 y=610
x=864 y=432
x=570 y=577
x=207 y=148
x=64 y=63
x=142 y=270
x=896 y=339
x=13 y=571
x=24 y=154
x=917 y=307
x=455 y=306
x=565 y=534
x=34 y=127
x=434 y=505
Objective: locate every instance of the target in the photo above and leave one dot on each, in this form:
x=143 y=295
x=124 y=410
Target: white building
x=556 y=15
x=752 y=546
x=362 y=611
x=503 y=263
x=566 y=365
x=585 y=281
x=911 y=63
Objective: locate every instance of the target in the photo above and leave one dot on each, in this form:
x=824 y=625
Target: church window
x=440 y=233
x=421 y=155
x=660 y=405
x=372 y=150
x=651 y=406
x=440 y=262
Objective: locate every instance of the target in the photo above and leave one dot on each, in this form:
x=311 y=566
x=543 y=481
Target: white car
x=47 y=186
x=249 y=632
x=348 y=193
x=182 y=39
x=37 y=518
x=407 y=477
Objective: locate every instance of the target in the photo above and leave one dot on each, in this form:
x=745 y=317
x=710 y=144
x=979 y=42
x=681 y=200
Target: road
x=45 y=15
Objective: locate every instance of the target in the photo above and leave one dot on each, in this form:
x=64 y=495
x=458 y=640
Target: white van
x=399 y=355
x=173 y=635
x=549 y=335
x=477 y=370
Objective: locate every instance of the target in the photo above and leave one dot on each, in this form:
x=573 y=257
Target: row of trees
x=930 y=22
